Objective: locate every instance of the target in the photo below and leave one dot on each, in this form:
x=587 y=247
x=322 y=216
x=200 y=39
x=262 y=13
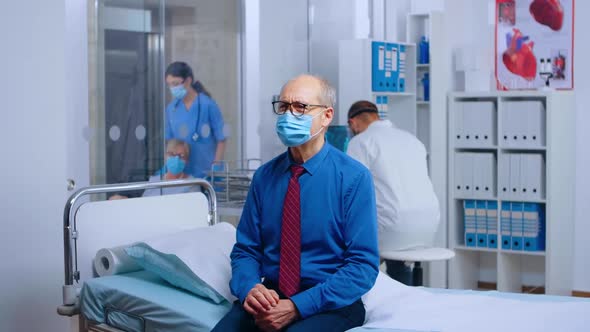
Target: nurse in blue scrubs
x=194 y=117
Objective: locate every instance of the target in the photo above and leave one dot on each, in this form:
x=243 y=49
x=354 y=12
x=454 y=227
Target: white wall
x=283 y=55
x=582 y=91
x=76 y=59
x=251 y=142
x=329 y=22
x=396 y=12
x=33 y=145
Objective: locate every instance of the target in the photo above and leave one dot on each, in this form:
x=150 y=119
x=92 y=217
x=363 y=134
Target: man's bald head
x=321 y=88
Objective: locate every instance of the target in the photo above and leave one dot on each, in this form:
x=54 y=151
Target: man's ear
x=329 y=116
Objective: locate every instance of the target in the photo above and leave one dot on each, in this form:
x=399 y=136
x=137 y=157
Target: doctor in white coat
x=408 y=211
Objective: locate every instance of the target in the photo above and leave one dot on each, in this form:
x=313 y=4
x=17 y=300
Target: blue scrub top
x=201 y=127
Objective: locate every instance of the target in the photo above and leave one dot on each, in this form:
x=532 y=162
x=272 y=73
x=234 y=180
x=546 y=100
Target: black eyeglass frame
x=292 y=108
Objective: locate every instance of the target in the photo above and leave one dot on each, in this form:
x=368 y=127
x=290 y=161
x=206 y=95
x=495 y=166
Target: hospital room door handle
x=71 y=184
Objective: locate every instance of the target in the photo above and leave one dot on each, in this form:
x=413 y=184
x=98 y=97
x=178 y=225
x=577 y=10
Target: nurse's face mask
x=176 y=86
x=178 y=91
x=293 y=125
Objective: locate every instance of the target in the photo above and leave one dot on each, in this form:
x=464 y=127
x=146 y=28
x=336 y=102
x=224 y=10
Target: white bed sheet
x=396 y=306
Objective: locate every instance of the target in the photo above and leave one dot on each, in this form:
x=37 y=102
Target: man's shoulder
x=270 y=167
x=346 y=163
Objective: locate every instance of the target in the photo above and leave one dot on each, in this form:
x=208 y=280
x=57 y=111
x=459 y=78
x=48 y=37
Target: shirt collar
x=178 y=102
x=312 y=164
x=382 y=123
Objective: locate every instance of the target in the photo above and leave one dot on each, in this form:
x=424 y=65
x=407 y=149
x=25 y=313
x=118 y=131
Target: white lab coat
x=408 y=211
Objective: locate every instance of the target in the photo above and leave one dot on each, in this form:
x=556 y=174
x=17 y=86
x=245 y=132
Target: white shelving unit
x=426 y=120
x=431 y=118
x=431 y=114
x=511 y=269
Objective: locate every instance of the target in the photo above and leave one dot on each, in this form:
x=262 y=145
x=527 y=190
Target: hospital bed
x=142 y=301
x=129 y=298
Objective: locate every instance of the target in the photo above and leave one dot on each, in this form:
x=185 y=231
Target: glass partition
x=131 y=42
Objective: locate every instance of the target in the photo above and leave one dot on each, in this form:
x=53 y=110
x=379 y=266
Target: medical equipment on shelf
x=339 y=136
x=231 y=180
x=426 y=86
x=424 y=56
x=168 y=213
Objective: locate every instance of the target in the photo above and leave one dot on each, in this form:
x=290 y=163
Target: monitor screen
x=338 y=136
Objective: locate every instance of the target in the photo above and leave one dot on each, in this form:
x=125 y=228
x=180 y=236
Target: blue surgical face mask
x=295 y=131
x=175 y=165
x=178 y=91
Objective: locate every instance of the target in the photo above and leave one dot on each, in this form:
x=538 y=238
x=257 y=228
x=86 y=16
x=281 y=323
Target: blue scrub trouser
x=337 y=320
x=400 y=272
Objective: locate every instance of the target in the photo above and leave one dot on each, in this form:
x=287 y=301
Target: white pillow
x=195 y=259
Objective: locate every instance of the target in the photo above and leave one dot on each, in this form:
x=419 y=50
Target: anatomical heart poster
x=534 y=44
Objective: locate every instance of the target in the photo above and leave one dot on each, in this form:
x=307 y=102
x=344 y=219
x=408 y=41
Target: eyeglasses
x=172 y=154
x=296 y=108
x=175 y=84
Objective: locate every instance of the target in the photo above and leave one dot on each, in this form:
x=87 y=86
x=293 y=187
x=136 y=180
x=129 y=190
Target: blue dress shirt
x=201 y=127
x=339 y=252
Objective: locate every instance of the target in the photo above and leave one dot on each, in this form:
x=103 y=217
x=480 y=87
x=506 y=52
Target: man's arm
x=246 y=255
x=361 y=267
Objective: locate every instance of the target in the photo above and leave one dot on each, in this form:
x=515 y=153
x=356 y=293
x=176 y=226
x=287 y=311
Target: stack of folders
x=388 y=67
x=381 y=102
x=481 y=223
x=475 y=174
x=523 y=124
x=522 y=226
x=521 y=176
x=475 y=124
x=401 y=80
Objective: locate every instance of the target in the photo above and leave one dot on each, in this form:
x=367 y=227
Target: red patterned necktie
x=290 y=259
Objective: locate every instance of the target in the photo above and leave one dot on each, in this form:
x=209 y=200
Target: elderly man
x=306 y=246
x=407 y=207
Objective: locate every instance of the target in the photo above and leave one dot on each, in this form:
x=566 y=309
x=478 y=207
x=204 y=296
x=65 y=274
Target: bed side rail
x=70 y=291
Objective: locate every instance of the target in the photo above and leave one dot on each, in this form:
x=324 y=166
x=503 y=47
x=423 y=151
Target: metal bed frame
x=231 y=180
x=70 y=306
